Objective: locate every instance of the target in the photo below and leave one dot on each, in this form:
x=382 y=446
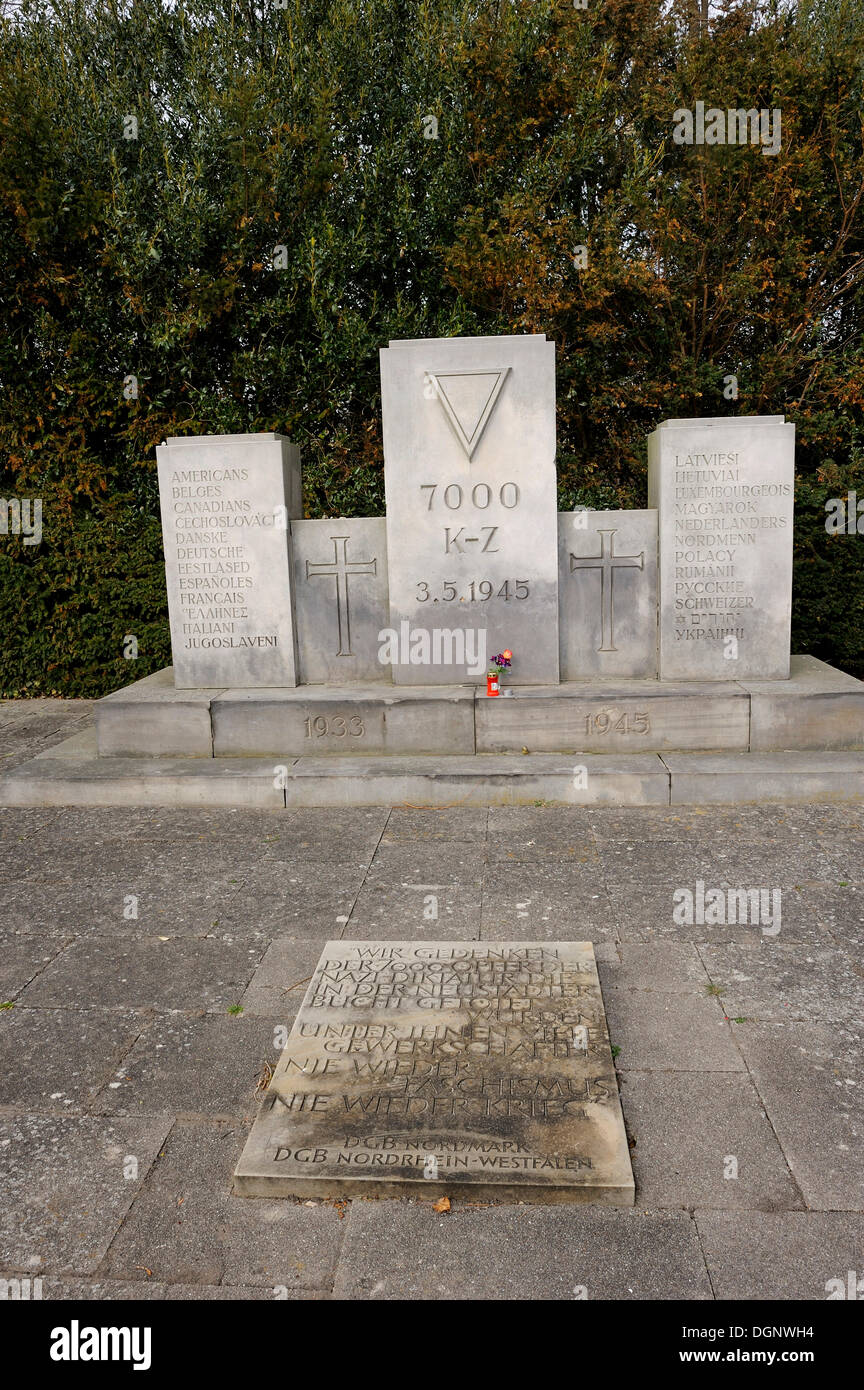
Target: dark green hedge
x=303 y=127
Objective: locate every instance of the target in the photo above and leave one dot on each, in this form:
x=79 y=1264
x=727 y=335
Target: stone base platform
x=818 y=708
x=72 y=774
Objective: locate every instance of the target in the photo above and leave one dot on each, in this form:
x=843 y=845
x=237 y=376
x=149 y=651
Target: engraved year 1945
x=611 y=722
x=477 y=591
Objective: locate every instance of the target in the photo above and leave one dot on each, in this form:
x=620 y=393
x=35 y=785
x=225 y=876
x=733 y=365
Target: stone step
x=72 y=774
x=817 y=708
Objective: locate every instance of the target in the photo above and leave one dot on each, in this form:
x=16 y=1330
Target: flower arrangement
x=497 y=664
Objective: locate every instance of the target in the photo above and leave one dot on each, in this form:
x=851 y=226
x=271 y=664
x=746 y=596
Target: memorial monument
x=648 y=648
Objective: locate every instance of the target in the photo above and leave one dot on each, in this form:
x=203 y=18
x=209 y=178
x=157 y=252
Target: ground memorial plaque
x=226 y=505
x=469 y=465
x=724 y=490
x=431 y=1068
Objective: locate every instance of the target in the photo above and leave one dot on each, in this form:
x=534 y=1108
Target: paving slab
x=187 y=1228
x=780 y=1256
x=559 y=1253
x=669 y=967
x=198 y=1066
x=58 y=1059
x=545 y=901
x=644 y=913
x=773 y=982
x=652 y=862
x=277 y=988
x=811 y=1081
x=839 y=909
x=763 y=859
x=679 y=823
x=582 y=854
x=844 y=848
x=169 y=904
x=146 y=972
x=59 y=823
x=410 y=824
x=299 y=899
x=133 y=856
x=118 y=1290
x=23 y=958
x=68 y=1184
x=552 y=827
x=704 y=1140
x=438 y=862
x=19 y=822
x=396 y=911
x=669 y=1032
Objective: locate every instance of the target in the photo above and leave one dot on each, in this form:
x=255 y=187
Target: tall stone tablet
x=340 y=585
x=724 y=490
x=226 y=505
x=424 y=1068
x=469 y=458
x=608 y=593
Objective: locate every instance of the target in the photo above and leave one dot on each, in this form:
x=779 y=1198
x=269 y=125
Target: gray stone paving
x=153 y=959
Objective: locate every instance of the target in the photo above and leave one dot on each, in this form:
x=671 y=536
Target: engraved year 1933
x=336 y=725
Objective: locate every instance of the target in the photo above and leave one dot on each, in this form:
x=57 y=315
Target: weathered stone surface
x=732 y=777
x=427 y=1068
x=469 y=461
x=71 y=774
x=817 y=707
x=487 y=780
x=724 y=490
x=394 y=1251
x=340 y=585
x=613 y=717
x=607 y=591
x=354 y=720
x=153 y=718
x=226 y=505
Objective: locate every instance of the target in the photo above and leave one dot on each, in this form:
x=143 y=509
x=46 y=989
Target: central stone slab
x=480 y=1069
x=469 y=472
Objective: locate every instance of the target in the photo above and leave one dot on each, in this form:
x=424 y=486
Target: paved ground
x=127 y=1087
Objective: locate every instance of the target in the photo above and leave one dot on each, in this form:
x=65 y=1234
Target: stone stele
x=480 y=1069
x=469 y=471
x=724 y=489
x=227 y=501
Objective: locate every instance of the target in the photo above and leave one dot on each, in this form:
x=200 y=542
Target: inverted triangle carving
x=468 y=399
